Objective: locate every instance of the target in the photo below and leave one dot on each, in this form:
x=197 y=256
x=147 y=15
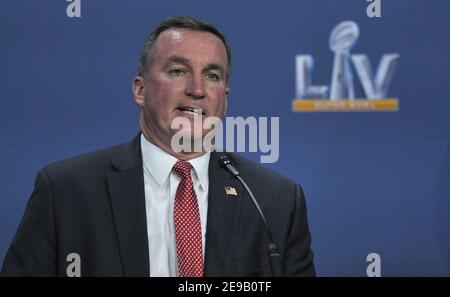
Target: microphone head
x=224 y=161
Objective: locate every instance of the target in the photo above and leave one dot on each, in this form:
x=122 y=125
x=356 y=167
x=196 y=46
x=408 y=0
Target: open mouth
x=191 y=110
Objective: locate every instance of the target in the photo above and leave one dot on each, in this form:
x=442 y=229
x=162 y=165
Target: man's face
x=187 y=73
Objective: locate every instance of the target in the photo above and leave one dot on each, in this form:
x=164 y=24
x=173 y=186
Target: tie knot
x=183 y=169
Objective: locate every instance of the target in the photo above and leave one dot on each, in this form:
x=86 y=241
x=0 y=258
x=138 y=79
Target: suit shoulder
x=98 y=160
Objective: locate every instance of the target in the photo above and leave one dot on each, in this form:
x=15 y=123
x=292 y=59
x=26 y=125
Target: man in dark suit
x=145 y=208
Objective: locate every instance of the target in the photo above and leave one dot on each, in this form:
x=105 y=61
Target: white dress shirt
x=160 y=189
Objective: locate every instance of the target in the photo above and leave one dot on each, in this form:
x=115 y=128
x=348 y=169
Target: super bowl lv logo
x=340 y=96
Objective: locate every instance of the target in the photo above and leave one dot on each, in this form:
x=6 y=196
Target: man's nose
x=196 y=87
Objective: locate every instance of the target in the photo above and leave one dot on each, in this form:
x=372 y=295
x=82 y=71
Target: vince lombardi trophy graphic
x=342 y=39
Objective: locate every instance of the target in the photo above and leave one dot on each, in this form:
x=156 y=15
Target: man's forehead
x=182 y=34
x=172 y=35
x=173 y=40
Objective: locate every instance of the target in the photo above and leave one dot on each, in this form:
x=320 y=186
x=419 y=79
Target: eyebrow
x=183 y=61
x=176 y=60
x=217 y=67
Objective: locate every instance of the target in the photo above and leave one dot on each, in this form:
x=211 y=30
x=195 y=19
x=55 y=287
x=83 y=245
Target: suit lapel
x=126 y=189
x=223 y=219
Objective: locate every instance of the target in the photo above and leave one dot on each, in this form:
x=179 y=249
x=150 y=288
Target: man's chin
x=188 y=140
x=189 y=132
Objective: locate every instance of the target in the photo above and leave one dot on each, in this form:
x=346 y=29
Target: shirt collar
x=159 y=163
x=201 y=166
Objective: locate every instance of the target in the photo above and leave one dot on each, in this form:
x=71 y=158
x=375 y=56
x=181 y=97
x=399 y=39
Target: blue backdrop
x=374 y=181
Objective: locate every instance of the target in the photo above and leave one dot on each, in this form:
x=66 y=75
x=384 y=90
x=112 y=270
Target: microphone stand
x=274 y=255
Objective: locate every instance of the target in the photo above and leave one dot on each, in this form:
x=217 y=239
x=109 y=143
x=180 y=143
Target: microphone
x=274 y=254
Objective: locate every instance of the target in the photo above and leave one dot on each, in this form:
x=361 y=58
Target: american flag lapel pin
x=231 y=191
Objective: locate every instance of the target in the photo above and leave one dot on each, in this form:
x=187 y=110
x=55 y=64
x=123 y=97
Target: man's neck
x=183 y=156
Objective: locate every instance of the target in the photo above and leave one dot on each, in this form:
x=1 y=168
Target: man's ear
x=138 y=90
x=227 y=91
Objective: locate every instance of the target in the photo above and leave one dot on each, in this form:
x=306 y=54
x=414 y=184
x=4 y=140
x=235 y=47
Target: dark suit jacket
x=94 y=205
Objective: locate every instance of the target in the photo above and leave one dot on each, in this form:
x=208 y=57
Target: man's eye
x=176 y=72
x=212 y=76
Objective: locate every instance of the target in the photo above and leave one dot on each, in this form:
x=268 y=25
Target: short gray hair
x=188 y=23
